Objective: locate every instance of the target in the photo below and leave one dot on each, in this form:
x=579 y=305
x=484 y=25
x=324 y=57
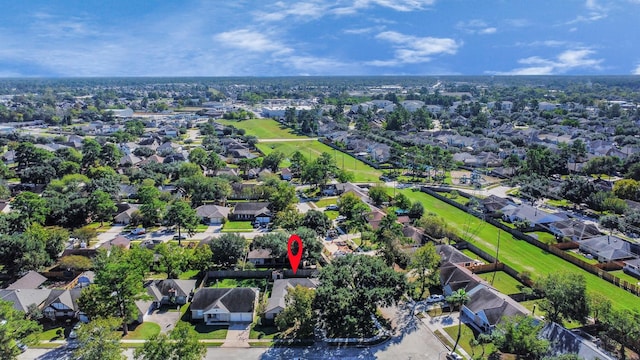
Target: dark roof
x=449 y=254
x=607 y=247
x=236 y=300
x=573 y=227
x=251 y=208
x=458 y=277
x=282 y=286
x=493 y=203
x=212 y=211
x=67 y=297
x=31 y=280
x=160 y=288
x=564 y=341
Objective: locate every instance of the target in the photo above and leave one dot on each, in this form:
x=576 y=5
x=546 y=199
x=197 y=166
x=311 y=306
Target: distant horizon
x=275 y=38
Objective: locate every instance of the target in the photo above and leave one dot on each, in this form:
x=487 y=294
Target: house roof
x=31 y=280
x=457 y=277
x=564 y=341
x=607 y=247
x=494 y=304
x=531 y=213
x=68 y=298
x=160 y=288
x=449 y=254
x=282 y=286
x=235 y=300
x=493 y=203
x=414 y=233
x=259 y=254
x=212 y=211
x=573 y=227
x=22 y=298
x=251 y=208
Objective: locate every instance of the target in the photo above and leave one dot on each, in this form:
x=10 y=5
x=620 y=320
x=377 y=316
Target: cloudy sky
x=318 y=37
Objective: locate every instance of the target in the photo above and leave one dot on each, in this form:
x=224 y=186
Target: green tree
x=425 y=262
x=354 y=209
x=118 y=284
x=317 y=221
x=173 y=259
x=14 y=327
x=289 y=219
x=31 y=205
x=182 y=216
x=102 y=206
x=565 y=297
x=75 y=262
x=198 y=156
x=456 y=300
x=298 y=162
x=351 y=288
x=297 y=318
x=312 y=247
x=378 y=194
x=90 y=152
x=99 y=340
x=282 y=196
x=276 y=242
x=110 y=155
x=228 y=249
x=272 y=160
x=622 y=326
x=519 y=335
x=186 y=345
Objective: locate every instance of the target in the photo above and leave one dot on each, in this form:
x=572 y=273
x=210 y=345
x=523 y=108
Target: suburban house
x=607 y=248
x=449 y=254
x=286 y=174
x=125 y=212
x=486 y=306
x=251 y=211
x=31 y=280
x=573 y=229
x=532 y=214
x=563 y=341
x=212 y=214
x=280 y=288
x=170 y=291
x=219 y=306
x=492 y=204
x=414 y=233
x=61 y=304
x=23 y=298
x=261 y=257
x=632 y=267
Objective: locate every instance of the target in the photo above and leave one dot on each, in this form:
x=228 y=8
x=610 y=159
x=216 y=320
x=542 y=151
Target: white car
x=454 y=356
x=435 y=298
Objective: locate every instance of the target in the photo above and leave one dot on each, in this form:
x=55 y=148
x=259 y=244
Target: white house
x=632 y=267
x=216 y=306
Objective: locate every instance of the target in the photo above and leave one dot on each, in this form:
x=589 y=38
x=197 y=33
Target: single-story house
x=449 y=254
x=23 y=298
x=486 y=307
x=573 y=229
x=533 y=215
x=61 y=304
x=261 y=257
x=217 y=306
x=125 y=213
x=170 y=291
x=286 y=174
x=31 y=280
x=414 y=233
x=565 y=341
x=280 y=288
x=607 y=248
x=251 y=211
x=374 y=218
x=493 y=204
x=632 y=267
x=212 y=214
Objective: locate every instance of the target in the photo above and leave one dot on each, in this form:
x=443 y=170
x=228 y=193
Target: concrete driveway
x=163 y=317
x=237 y=335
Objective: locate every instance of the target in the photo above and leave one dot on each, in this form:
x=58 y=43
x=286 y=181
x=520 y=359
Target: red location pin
x=295 y=259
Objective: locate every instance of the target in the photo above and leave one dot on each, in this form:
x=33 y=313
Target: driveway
x=237 y=335
x=108 y=235
x=166 y=319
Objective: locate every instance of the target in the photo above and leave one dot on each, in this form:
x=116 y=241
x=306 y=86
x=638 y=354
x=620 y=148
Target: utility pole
x=495 y=263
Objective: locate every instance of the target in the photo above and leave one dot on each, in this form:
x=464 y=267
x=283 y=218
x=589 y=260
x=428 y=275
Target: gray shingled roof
x=236 y=300
x=31 y=280
x=282 y=286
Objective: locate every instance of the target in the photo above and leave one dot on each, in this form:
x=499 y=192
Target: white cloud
x=360 y=31
x=565 y=61
x=412 y=49
x=636 y=71
x=518 y=23
x=252 y=41
x=596 y=11
x=397 y=5
x=476 y=26
x=302 y=10
x=548 y=43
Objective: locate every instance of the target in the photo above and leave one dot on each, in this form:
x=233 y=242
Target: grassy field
x=263 y=128
x=519 y=254
x=326 y=202
x=143 y=331
x=502 y=282
x=237 y=226
x=209 y=331
x=263 y=332
x=624 y=276
x=313 y=149
x=545 y=237
x=51 y=334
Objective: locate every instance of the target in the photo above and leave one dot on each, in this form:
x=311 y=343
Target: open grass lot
x=313 y=149
x=466 y=335
x=143 y=331
x=237 y=226
x=263 y=332
x=545 y=237
x=327 y=201
x=502 y=282
x=519 y=254
x=263 y=128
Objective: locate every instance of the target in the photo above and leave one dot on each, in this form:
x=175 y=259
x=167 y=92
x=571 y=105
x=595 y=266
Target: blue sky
x=319 y=37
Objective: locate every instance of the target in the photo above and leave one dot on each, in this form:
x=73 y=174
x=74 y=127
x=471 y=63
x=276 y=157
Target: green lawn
x=313 y=149
x=51 y=334
x=143 y=331
x=224 y=283
x=209 y=332
x=519 y=254
x=472 y=255
x=332 y=214
x=503 y=282
x=263 y=128
x=624 y=276
x=545 y=237
x=263 y=332
x=327 y=201
x=189 y=274
x=466 y=335
x=237 y=226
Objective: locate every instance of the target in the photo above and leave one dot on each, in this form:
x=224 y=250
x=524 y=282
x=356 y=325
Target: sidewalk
x=439 y=322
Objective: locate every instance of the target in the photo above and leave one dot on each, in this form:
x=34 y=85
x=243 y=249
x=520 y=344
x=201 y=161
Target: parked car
x=73 y=334
x=435 y=298
x=138 y=231
x=341 y=217
x=332 y=207
x=21 y=346
x=454 y=356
